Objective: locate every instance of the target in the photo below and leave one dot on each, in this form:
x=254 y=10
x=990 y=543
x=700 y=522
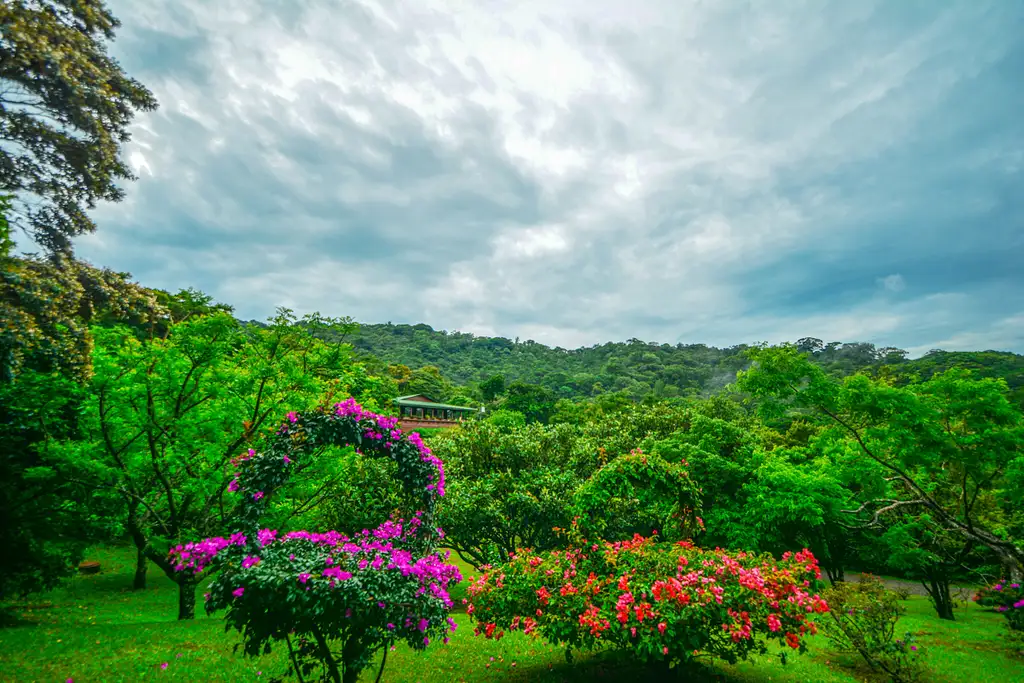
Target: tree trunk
x=139 y=583
x=329 y=662
x=937 y=586
x=186 y=599
x=1012 y=570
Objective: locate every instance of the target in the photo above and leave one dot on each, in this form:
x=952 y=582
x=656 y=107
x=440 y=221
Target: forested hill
x=637 y=367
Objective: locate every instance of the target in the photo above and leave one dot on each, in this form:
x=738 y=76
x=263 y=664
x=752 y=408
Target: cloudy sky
x=581 y=171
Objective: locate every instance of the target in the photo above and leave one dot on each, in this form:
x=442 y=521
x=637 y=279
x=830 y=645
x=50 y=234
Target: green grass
x=96 y=629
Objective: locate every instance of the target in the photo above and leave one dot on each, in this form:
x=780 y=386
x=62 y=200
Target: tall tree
x=166 y=416
x=493 y=387
x=46 y=520
x=46 y=308
x=947 y=448
x=65 y=108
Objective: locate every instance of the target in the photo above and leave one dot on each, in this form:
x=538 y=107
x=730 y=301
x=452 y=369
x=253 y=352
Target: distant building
x=417 y=411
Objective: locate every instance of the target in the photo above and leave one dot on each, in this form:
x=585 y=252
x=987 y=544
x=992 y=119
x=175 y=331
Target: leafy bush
x=1006 y=598
x=510 y=486
x=638 y=493
x=357 y=496
x=863 y=621
x=334 y=600
x=663 y=602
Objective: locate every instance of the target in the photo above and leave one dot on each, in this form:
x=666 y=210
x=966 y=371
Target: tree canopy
x=65 y=108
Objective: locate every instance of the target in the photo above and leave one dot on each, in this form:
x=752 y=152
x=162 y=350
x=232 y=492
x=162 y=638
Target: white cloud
x=578 y=171
x=892 y=283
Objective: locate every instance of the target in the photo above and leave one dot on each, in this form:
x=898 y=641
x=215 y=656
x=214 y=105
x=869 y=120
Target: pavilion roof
x=405 y=401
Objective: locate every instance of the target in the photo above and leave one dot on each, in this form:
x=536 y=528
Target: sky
x=583 y=171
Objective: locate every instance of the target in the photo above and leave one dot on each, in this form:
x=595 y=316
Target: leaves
x=939 y=450
x=65 y=108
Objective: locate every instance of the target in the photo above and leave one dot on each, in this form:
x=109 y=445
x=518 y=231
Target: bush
x=637 y=494
x=663 y=602
x=863 y=620
x=1006 y=598
x=332 y=600
x=510 y=487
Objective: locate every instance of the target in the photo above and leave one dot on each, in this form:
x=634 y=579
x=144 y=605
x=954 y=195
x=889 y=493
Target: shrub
x=510 y=487
x=863 y=620
x=637 y=494
x=333 y=600
x=1006 y=598
x=663 y=602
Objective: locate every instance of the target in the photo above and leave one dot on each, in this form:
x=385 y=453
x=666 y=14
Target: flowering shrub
x=335 y=601
x=863 y=620
x=1006 y=598
x=665 y=602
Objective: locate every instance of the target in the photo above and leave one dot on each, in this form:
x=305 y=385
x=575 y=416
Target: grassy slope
x=96 y=630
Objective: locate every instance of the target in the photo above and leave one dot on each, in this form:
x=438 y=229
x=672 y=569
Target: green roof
x=404 y=401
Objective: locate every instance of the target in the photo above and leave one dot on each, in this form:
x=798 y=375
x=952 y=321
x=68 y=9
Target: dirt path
x=915 y=587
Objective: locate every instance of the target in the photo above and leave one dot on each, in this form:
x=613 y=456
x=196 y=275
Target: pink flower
x=257 y=495
x=233 y=486
x=303 y=577
x=238 y=592
x=163 y=666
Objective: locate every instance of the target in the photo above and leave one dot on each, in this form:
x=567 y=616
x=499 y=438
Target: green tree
x=509 y=486
x=941 y=447
x=46 y=520
x=639 y=493
x=166 y=416
x=65 y=108
x=534 y=401
x=429 y=382
x=46 y=308
x=493 y=387
x=793 y=501
x=720 y=455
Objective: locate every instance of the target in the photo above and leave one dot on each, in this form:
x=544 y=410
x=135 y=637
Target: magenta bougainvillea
x=333 y=600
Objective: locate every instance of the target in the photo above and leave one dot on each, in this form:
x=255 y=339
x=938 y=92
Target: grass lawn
x=97 y=629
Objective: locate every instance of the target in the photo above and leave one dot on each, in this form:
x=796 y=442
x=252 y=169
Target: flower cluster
x=369 y=590
x=377 y=567
x=659 y=600
x=1006 y=598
